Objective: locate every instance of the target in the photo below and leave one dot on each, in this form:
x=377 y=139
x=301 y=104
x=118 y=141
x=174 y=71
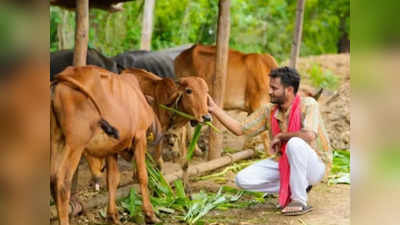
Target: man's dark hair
x=289 y=77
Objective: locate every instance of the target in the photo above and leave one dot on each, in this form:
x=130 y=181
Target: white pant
x=306 y=168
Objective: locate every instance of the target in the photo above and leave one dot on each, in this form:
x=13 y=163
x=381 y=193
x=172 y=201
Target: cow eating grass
x=188 y=95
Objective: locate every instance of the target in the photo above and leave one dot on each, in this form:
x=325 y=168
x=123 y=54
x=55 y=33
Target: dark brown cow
x=247 y=80
x=109 y=5
x=102 y=114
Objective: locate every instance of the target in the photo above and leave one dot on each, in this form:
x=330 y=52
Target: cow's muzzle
x=207 y=118
x=193 y=123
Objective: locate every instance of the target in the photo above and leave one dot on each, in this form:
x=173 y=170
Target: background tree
x=256 y=26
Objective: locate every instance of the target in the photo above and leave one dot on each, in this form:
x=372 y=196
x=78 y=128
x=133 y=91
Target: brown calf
x=188 y=94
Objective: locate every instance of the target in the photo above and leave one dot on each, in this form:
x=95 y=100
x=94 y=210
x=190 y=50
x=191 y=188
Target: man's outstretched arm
x=231 y=124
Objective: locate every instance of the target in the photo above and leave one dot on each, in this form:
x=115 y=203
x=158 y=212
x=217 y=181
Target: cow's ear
x=182 y=83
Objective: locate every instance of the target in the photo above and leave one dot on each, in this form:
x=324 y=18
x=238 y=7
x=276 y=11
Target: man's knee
x=294 y=145
x=239 y=180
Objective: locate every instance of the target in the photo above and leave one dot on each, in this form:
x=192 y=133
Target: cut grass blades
x=193 y=142
x=133 y=205
x=165 y=200
x=202 y=203
x=340 y=173
x=187 y=116
x=234 y=168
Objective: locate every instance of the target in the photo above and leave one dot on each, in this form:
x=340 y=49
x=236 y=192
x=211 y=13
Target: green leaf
x=193 y=142
x=187 y=116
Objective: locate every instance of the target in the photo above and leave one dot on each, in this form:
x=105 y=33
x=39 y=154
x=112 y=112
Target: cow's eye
x=188 y=91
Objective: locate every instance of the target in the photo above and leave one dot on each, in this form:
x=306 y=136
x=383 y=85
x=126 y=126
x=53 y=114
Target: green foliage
x=54 y=21
x=323 y=78
x=256 y=26
x=190 y=209
x=340 y=172
x=193 y=141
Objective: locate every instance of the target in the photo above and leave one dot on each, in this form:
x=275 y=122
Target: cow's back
x=119 y=97
x=247 y=80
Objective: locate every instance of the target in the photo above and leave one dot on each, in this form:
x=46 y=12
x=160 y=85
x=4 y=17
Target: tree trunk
x=344 y=41
x=297 y=33
x=147 y=25
x=185 y=24
x=218 y=83
x=80 y=51
x=64 y=31
x=81 y=32
x=60 y=30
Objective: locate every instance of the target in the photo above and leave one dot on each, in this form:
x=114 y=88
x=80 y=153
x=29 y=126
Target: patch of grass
x=236 y=167
x=189 y=209
x=323 y=78
x=340 y=172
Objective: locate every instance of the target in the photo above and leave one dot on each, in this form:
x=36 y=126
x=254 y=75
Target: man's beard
x=278 y=100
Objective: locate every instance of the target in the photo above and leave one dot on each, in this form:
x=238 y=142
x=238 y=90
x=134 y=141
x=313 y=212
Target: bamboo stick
x=219 y=79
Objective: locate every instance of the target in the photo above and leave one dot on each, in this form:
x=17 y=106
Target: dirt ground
x=331 y=206
x=331 y=203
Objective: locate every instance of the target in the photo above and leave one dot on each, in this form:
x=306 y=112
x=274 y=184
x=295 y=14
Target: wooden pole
x=80 y=52
x=218 y=83
x=81 y=32
x=147 y=25
x=197 y=170
x=297 y=33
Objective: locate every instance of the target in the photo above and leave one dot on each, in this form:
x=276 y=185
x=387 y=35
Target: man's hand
x=275 y=145
x=212 y=107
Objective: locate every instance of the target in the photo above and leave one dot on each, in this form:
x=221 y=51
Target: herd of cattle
x=110 y=107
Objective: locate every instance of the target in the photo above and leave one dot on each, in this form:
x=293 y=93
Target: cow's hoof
x=135 y=179
x=188 y=188
x=160 y=165
x=95 y=183
x=96 y=186
x=77 y=207
x=198 y=152
x=152 y=219
x=113 y=218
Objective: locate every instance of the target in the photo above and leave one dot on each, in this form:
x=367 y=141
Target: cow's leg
x=113 y=177
x=68 y=164
x=184 y=161
x=157 y=156
x=140 y=151
x=128 y=156
x=96 y=166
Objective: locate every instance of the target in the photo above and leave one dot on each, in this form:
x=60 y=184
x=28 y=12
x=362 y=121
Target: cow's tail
x=155 y=131
x=55 y=138
x=104 y=124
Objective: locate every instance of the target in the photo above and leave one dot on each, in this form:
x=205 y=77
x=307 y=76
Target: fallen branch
x=196 y=170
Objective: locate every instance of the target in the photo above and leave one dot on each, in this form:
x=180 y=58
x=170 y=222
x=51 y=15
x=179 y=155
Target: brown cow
x=85 y=102
x=187 y=94
x=247 y=79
